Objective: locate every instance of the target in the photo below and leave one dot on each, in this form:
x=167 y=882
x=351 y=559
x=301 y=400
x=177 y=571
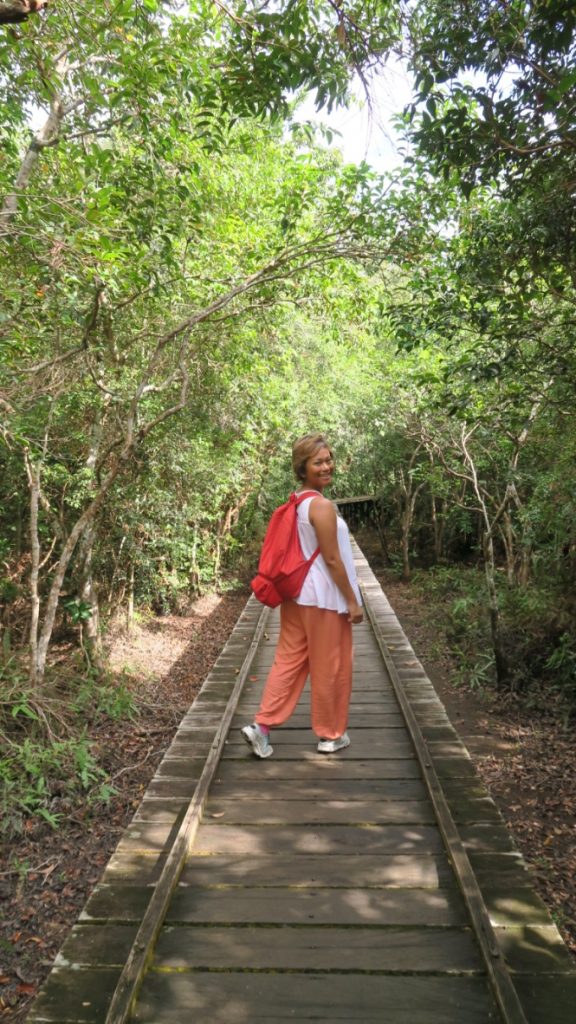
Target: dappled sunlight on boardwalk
x=319 y=888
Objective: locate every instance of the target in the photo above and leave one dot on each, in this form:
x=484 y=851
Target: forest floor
x=526 y=758
x=46 y=876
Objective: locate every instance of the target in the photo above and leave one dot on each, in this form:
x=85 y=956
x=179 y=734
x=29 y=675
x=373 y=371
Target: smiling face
x=319 y=470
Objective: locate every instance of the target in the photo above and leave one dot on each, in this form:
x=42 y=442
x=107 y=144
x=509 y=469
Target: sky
x=368 y=135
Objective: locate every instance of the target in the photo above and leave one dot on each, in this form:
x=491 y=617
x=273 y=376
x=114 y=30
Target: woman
x=316 y=627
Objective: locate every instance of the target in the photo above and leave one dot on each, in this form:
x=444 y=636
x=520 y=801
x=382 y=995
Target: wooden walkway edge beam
x=504 y=991
x=142 y=948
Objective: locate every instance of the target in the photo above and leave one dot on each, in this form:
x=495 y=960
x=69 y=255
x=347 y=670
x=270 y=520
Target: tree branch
x=14 y=11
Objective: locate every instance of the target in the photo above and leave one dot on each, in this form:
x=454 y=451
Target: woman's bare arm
x=323 y=519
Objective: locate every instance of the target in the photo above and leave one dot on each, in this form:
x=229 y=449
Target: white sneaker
x=331 y=746
x=258 y=740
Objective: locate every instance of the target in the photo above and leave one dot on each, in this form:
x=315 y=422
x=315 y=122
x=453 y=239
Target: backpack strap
x=298 y=496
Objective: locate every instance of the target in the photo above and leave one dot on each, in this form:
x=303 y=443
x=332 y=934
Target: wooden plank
x=84 y=1002
x=219 y=685
x=427 y=715
x=447 y=748
x=515 y=906
x=436 y=732
x=258 y=805
x=324 y=812
x=145 y=837
x=426 y=871
x=454 y=768
x=180 y=767
x=133 y=868
x=466 y=809
x=548 y=999
x=117 y=903
x=200 y=733
x=395 y=951
x=189 y=745
x=486 y=838
x=471 y=787
x=501 y=869
x=365 y=682
x=274 y=998
x=367 y=703
x=366 y=738
x=319 y=839
x=172 y=787
x=198 y=728
x=300 y=720
x=531 y=949
x=319 y=768
x=107 y=945
x=322 y=906
x=256 y=788
x=286 y=750
x=161 y=809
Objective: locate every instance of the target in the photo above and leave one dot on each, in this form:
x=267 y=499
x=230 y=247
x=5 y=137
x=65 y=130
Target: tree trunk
x=195 y=582
x=487 y=536
x=110 y=601
x=525 y=567
x=490 y=573
x=507 y=534
x=74 y=536
x=47 y=136
x=88 y=592
x=407 y=503
x=33 y=473
x=438 y=528
x=130 y=604
x=380 y=529
x=406 y=519
x=405 y=544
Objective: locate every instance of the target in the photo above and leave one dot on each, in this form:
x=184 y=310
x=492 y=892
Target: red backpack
x=282 y=568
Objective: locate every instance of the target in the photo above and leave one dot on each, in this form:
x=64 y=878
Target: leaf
x=26 y=989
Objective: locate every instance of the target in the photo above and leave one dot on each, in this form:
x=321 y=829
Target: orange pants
x=316 y=641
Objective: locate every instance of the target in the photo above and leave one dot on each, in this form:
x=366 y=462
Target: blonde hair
x=303 y=449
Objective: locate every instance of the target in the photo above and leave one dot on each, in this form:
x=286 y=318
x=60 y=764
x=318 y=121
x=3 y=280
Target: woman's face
x=319 y=470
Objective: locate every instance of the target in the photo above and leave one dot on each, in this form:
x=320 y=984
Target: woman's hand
x=355 y=613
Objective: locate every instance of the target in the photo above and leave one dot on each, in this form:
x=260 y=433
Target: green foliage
x=97 y=697
x=48 y=764
x=33 y=774
x=79 y=611
x=562 y=664
x=538 y=634
x=188 y=285
x=512 y=119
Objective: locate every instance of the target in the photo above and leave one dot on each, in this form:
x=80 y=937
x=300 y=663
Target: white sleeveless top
x=319 y=588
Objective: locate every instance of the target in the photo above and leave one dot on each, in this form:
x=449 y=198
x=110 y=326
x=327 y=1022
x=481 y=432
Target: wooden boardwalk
x=317 y=887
